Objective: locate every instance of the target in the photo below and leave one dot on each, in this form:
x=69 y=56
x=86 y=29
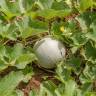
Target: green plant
x=23 y=22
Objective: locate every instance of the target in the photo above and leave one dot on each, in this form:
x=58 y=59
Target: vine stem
x=49 y=27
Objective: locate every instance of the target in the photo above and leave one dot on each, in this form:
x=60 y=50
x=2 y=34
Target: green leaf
x=82 y=23
x=29 y=27
x=70 y=88
x=48 y=88
x=19 y=93
x=88 y=75
x=2 y=51
x=85 y=4
x=59 y=0
x=6 y=10
x=33 y=93
x=17 y=51
x=15 y=56
x=90 y=94
x=9 y=83
x=51 y=13
x=92 y=34
x=59 y=5
x=24 y=59
x=3 y=58
x=75 y=63
x=44 y=4
x=2 y=65
x=89 y=51
x=79 y=39
x=28 y=72
x=60 y=90
x=63 y=72
x=86 y=87
x=9 y=31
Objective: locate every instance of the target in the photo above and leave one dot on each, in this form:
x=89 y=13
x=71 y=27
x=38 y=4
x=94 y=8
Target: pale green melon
x=49 y=52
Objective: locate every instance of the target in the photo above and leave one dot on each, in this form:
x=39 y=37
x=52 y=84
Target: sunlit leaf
x=24 y=59
x=9 y=83
x=85 y=4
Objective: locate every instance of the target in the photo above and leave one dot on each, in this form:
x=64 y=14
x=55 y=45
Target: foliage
x=71 y=21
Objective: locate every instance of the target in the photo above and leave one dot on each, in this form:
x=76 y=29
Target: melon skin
x=49 y=52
